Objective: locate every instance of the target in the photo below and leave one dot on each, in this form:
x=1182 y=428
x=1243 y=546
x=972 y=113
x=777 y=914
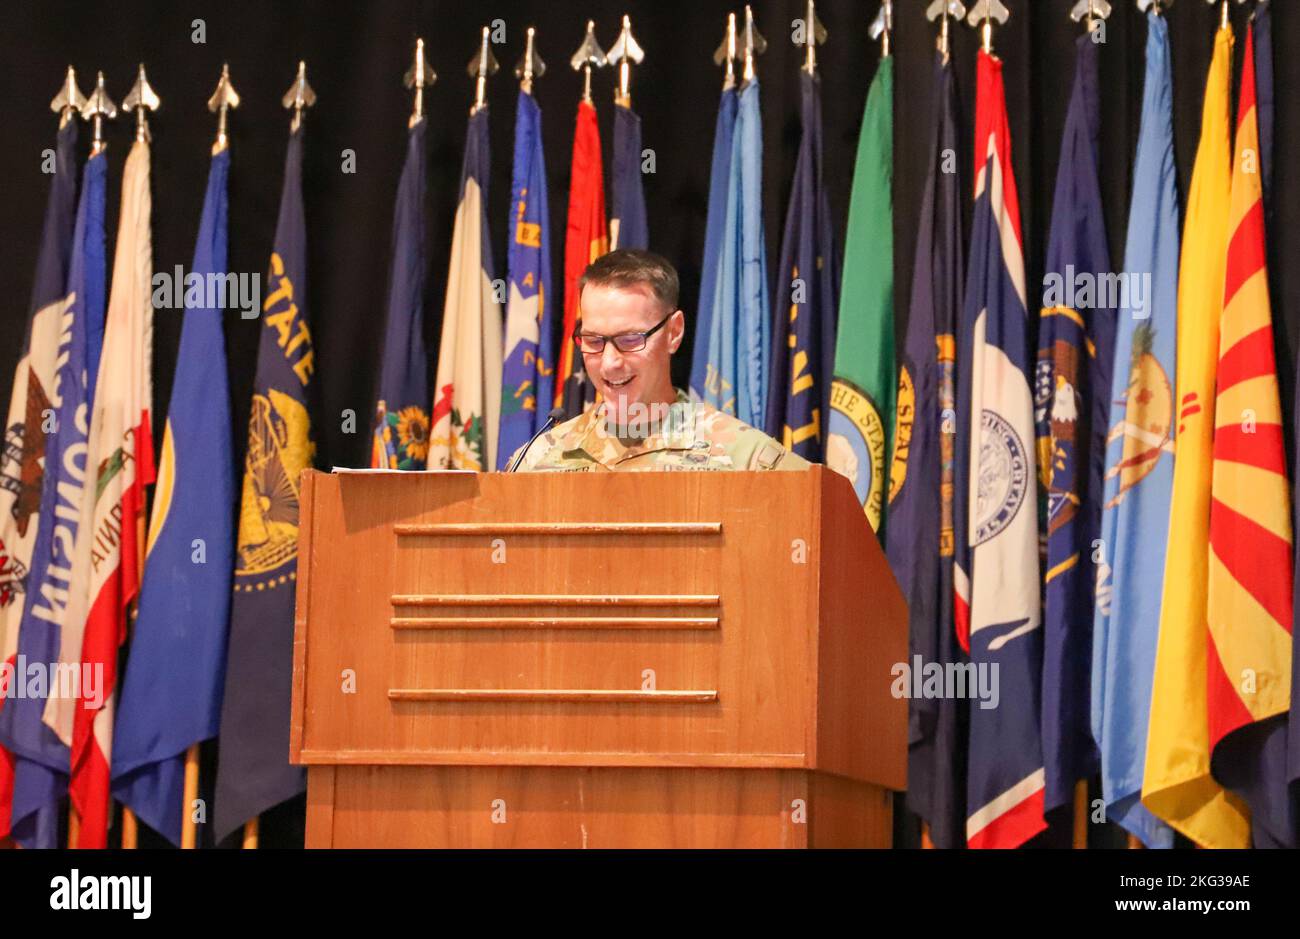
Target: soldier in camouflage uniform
x=690 y=436
x=628 y=329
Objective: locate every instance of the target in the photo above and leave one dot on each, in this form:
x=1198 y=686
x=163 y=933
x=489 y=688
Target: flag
x=1176 y=784
x=803 y=349
x=171 y=691
x=253 y=770
x=467 y=399
x=42 y=755
x=627 y=224
x=22 y=462
x=919 y=542
x=739 y=337
x=861 y=418
x=584 y=241
x=400 y=435
x=106 y=566
x=1076 y=342
x=1249 y=593
x=1261 y=28
x=529 y=367
x=996 y=575
x=1139 y=461
x=719 y=186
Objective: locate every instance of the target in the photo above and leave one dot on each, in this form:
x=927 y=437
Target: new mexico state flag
x=1177 y=785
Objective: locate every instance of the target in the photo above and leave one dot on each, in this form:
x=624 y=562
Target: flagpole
x=95 y=108
x=298 y=98
x=419 y=76
x=222 y=100
x=983 y=14
x=625 y=52
x=883 y=26
x=68 y=104
x=944 y=11
x=480 y=67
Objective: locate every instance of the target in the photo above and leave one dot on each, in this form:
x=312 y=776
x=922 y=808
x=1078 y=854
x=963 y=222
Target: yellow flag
x=1177 y=785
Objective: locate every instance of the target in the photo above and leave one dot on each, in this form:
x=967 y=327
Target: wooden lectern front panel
x=559 y=619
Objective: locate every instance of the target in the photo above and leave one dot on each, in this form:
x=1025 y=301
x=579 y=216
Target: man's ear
x=676 y=330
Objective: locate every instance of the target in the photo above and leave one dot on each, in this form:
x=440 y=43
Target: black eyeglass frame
x=579 y=335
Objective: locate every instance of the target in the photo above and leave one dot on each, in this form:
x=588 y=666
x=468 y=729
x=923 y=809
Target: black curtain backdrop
x=356 y=54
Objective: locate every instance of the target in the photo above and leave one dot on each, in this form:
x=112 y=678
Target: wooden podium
x=595 y=660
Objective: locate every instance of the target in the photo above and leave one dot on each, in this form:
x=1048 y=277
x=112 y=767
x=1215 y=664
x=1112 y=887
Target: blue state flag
x=919 y=540
x=1076 y=341
x=996 y=565
x=1139 y=461
x=739 y=345
x=719 y=183
x=400 y=432
x=41 y=756
x=803 y=323
x=253 y=772
x=528 y=372
x=171 y=692
x=627 y=221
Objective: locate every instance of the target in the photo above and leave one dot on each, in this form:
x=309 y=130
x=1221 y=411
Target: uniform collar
x=591 y=434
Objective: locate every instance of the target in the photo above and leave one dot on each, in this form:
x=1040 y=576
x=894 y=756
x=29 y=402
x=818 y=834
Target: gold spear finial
x=419 y=76
x=141 y=99
x=222 y=100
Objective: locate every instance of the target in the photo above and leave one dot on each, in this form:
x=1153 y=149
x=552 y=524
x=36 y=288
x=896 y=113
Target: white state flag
x=106 y=566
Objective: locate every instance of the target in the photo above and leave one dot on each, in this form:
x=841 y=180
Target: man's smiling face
x=626 y=378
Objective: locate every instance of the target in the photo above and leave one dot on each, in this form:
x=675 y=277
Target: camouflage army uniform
x=692 y=436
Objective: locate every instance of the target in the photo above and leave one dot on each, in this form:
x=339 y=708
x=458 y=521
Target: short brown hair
x=629 y=267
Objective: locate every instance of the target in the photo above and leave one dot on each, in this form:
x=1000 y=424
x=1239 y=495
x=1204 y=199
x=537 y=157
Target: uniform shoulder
x=748 y=447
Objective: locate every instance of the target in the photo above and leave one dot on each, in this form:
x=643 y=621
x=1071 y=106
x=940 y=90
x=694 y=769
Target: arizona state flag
x=1176 y=785
x=919 y=541
x=585 y=240
x=627 y=224
x=400 y=434
x=719 y=182
x=1249 y=594
x=1076 y=342
x=998 y=606
x=861 y=418
x=120 y=451
x=42 y=749
x=528 y=372
x=1139 y=463
x=22 y=461
x=467 y=396
x=738 y=340
x=253 y=770
x=171 y=692
x=803 y=347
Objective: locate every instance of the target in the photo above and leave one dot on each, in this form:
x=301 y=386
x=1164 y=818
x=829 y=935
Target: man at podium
x=628 y=328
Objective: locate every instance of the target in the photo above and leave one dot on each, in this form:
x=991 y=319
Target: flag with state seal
x=860 y=425
x=253 y=771
x=996 y=576
x=22 y=462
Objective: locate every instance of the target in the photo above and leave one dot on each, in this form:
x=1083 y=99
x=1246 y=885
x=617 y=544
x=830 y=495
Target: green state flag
x=861 y=424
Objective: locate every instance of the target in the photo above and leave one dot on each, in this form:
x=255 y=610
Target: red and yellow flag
x=586 y=238
x=1177 y=785
x=1250 y=573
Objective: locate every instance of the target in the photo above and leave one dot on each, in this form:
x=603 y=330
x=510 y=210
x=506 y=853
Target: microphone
x=555 y=415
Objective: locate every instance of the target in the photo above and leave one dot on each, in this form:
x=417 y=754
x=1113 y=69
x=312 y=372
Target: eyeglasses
x=594 y=343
